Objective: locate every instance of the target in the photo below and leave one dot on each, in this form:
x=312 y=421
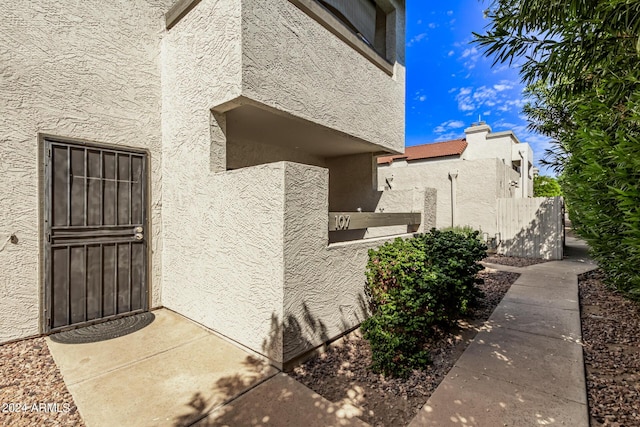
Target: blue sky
x=450 y=83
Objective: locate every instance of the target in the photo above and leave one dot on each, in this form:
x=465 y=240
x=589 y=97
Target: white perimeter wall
x=531 y=227
x=87 y=70
x=478 y=185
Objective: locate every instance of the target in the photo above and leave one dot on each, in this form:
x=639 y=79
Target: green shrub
x=415 y=285
x=456 y=257
x=465 y=230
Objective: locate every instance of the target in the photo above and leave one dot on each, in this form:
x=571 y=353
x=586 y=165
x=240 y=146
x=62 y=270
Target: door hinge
x=48 y=237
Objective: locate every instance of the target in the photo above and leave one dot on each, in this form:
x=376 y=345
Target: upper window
x=364 y=18
x=372 y=27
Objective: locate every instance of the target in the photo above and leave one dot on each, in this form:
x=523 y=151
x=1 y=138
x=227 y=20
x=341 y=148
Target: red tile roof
x=428 y=151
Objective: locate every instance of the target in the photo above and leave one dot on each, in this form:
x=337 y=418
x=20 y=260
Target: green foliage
x=546 y=186
x=601 y=182
x=581 y=61
x=414 y=285
x=464 y=230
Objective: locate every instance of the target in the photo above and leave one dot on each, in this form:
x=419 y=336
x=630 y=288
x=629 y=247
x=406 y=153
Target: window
x=363 y=17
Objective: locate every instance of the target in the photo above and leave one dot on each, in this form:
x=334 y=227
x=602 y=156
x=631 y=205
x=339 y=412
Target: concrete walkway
x=525 y=367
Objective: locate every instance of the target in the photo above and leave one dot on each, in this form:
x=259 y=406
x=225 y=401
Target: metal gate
x=95 y=219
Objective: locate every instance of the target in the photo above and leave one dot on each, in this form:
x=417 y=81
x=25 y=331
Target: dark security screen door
x=95 y=219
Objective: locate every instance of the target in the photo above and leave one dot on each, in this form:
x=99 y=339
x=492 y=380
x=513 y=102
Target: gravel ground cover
x=32 y=392
x=513 y=261
x=342 y=374
x=611 y=335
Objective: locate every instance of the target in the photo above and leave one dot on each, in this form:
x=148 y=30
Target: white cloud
x=484 y=94
x=420 y=96
x=449 y=136
x=510 y=104
x=448 y=126
x=503 y=85
x=451 y=53
x=417 y=39
x=433 y=25
x=419 y=21
x=449 y=12
x=470 y=55
x=465 y=99
x=468 y=52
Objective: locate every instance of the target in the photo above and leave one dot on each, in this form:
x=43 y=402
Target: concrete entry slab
x=549 y=365
x=78 y=362
x=162 y=385
x=283 y=402
x=467 y=398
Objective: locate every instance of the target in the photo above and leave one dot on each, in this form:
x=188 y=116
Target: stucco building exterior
x=468 y=174
x=187 y=154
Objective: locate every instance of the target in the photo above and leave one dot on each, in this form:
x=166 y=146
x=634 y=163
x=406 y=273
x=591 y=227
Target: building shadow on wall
x=541 y=237
x=297 y=337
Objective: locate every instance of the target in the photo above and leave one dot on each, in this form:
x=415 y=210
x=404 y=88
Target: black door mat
x=104 y=331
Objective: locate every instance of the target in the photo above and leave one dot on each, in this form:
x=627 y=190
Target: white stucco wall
x=478 y=184
x=484 y=144
x=323 y=285
x=238 y=244
x=224 y=252
x=292 y=63
x=86 y=70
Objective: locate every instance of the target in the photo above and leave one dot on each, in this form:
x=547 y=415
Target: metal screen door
x=95 y=219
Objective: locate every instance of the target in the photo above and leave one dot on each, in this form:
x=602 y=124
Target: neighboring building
x=225 y=131
x=469 y=174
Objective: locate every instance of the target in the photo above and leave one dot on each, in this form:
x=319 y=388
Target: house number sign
x=342 y=222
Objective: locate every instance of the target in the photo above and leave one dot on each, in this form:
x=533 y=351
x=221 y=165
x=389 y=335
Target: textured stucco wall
x=224 y=254
x=222 y=230
x=323 y=285
x=352 y=183
x=479 y=183
x=86 y=70
x=241 y=154
x=483 y=144
x=292 y=63
x=421 y=200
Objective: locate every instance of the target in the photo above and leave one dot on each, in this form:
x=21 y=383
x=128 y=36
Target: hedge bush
x=415 y=285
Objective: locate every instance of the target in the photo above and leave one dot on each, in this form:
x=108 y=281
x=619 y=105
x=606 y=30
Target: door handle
x=138 y=232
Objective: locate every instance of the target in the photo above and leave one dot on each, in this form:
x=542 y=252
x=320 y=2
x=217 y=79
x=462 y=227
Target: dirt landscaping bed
x=513 y=261
x=611 y=335
x=342 y=375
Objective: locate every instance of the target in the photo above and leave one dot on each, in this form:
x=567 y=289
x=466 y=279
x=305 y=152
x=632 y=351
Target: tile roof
x=428 y=151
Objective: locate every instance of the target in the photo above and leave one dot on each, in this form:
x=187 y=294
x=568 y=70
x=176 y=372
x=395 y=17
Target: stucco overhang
x=248 y=120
